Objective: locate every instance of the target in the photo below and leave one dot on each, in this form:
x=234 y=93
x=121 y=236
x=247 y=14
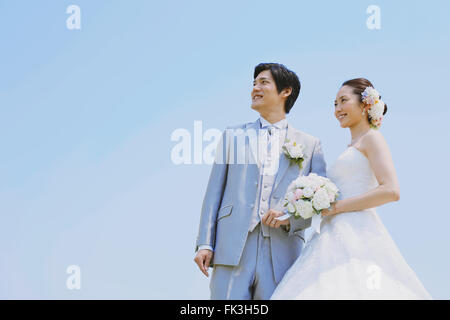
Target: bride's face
x=347 y=107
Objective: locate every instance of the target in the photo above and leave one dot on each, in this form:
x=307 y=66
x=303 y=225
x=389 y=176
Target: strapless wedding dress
x=353 y=256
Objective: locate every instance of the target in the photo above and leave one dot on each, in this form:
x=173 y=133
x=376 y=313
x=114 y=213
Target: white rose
x=332 y=197
x=305 y=209
x=291 y=208
x=315 y=182
x=289 y=146
x=301 y=182
x=290 y=196
x=321 y=199
x=324 y=180
x=296 y=151
x=308 y=192
x=331 y=188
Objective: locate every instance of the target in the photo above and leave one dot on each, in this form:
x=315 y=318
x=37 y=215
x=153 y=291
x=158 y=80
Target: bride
x=353 y=256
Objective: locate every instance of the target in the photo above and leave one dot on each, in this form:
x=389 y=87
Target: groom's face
x=264 y=95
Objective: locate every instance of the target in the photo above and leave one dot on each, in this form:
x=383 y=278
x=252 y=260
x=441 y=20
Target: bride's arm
x=374 y=146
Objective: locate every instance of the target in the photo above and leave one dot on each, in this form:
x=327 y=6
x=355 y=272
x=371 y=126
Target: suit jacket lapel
x=252 y=140
x=284 y=163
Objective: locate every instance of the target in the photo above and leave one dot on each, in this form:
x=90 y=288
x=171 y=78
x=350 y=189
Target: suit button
x=251 y=206
x=276 y=197
x=256 y=183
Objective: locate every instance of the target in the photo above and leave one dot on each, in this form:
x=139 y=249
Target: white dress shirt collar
x=282 y=124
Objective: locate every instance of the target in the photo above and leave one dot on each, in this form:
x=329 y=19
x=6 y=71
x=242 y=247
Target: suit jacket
x=231 y=193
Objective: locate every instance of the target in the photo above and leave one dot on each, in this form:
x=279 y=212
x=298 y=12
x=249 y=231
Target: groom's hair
x=284 y=78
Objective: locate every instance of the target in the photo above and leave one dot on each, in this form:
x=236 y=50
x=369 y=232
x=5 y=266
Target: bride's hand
x=330 y=212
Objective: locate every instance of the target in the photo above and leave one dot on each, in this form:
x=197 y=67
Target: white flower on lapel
x=294 y=151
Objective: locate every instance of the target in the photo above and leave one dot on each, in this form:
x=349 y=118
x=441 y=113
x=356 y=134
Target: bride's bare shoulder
x=373 y=141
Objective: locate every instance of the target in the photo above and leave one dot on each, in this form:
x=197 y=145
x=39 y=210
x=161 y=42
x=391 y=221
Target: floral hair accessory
x=374 y=106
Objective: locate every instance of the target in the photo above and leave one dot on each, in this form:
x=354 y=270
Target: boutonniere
x=294 y=152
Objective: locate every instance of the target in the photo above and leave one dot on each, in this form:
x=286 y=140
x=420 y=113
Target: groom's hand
x=203 y=259
x=269 y=219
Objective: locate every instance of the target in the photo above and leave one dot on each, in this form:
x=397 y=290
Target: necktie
x=270 y=131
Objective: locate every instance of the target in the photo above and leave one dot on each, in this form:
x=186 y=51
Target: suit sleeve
x=319 y=167
x=318 y=164
x=213 y=196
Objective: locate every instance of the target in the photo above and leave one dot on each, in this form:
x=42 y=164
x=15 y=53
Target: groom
x=239 y=235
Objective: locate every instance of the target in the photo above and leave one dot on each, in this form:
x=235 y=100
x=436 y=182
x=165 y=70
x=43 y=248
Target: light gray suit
x=248 y=264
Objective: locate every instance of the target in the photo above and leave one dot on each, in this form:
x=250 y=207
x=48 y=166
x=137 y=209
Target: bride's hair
x=359 y=85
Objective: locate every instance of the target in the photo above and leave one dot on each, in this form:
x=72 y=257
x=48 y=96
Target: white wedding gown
x=354 y=256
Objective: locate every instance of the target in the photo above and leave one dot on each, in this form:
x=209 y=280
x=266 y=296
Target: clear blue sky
x=86 y=117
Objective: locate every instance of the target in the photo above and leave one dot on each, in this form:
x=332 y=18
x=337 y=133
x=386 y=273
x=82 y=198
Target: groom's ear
x=286 y=92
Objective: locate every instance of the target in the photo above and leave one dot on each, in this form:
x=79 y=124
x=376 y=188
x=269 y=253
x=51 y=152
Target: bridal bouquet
x=307 y=196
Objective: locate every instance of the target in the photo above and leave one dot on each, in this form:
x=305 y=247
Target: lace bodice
x=352 y=174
